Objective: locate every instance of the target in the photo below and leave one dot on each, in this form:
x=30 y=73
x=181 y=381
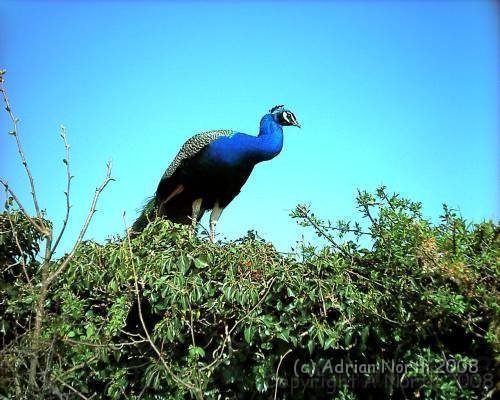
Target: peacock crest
x=276 y=108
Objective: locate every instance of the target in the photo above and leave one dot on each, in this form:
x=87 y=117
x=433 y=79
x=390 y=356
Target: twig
x=47 y=278
x=78 y=366
x=383 y=195
x=268 y=289
x=227 y=337
x=114 y=346
x=32 y=221
x=367 y=210
x=79 y=394
x=69 y=177
x=48 y=362
x=345 y=230
x=191 y=327
x=306 y=216
x=90 y=214
x=45 y=229
x=15 y=120
x=277 y=372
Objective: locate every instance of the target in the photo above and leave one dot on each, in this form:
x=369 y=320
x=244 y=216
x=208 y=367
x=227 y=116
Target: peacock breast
x=230 y=152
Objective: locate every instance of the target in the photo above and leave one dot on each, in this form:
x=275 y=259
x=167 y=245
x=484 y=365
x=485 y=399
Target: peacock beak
x=297 y=124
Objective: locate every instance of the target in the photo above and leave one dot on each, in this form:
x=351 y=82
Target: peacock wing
x=170 y=184
x=192 y=147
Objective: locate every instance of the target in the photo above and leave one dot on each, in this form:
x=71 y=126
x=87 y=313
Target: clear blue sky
x=397 y=93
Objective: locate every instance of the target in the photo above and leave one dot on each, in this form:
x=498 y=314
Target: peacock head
x=283 y=116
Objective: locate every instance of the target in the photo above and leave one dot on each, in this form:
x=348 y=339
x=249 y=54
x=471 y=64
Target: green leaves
x=196 y=352
x=248 y=333
x=389 y=286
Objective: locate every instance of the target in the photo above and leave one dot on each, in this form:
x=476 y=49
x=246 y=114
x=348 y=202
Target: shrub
x=391 y=306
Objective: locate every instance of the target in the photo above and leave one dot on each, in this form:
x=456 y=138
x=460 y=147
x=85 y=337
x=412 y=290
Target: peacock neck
x=242 y=150
x=270 y=138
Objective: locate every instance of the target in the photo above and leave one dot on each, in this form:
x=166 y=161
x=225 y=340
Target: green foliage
x=19 y=240
x=391 y=306
x=19 y=245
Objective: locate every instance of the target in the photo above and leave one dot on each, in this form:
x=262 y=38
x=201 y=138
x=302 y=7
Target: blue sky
x=398 y=93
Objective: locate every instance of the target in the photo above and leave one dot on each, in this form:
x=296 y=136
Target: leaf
x=321 y=337
x=248 y=333
x=200 y=264
x=195 y=352
x=329 y=342
x=310 y=346
x=89 y=330
x=284 y=335
x=348 y=338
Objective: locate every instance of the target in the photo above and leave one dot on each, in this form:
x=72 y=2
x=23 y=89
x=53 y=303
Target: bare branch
x=32 y=221
x=277 y=372
x=81 y=395
x=69 y=177
x=45 y=229
x=85 y=226
x=14 y=133
x=48 y=278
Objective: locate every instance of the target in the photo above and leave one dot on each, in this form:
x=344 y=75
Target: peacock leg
x=196 y=206
x=216 y=212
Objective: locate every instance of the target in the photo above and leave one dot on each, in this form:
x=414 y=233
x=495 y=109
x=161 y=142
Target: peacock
x=210 y=170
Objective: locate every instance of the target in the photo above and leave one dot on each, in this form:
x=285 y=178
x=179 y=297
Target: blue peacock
x=210 y=170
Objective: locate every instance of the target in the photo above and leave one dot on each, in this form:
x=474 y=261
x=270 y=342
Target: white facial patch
x=285 y=117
